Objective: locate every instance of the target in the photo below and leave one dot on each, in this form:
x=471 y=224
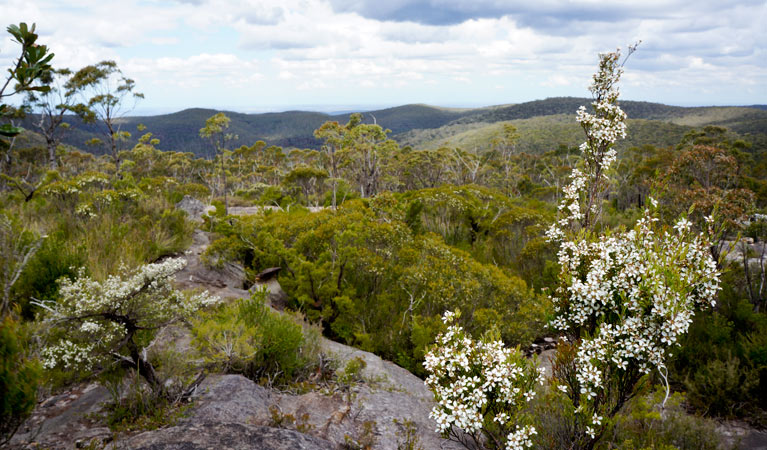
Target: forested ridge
x=454 y=243
x=429 y=126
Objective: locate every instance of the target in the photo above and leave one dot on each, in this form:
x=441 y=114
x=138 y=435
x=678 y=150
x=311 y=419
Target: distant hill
x=543 y=125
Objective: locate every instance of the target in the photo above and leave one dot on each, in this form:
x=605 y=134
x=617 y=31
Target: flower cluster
x=94 y=319
x=603 y=128
x=623 y=297
x=640 y=288
x=478 y=383
x=521 y=438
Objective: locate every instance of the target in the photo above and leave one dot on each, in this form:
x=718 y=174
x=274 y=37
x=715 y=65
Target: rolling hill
x=542 y=124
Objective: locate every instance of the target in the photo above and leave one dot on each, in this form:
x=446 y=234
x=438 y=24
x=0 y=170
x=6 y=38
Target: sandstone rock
x=193 y=208
x=60 y=420
x=224 y=281
x=216 y=436
x=229 y=398
x=93 y=437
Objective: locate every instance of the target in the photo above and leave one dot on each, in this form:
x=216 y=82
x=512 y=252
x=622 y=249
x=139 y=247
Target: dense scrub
x=376 y=283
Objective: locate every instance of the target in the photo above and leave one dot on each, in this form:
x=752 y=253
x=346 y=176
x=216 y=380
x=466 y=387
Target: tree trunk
x=52 y=162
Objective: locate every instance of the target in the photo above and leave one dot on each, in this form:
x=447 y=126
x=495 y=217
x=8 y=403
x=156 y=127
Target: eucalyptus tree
x=109 y=96
x=215 y=132
x=52 y=105
x=366 y=149
x=335 y=137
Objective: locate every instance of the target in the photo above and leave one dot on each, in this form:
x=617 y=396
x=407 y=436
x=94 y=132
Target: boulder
x=193 y=208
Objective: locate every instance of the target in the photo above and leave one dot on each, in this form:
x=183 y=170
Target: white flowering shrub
x=624 y=297
x=98 y=323
x=480 y=388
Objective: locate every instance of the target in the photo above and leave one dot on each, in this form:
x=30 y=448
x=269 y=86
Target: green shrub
x=645 y=424
x=641 y=424
x=362 y=272
x=722 y=363
x=19 y=377
x=251 y=339
x=55 y=259
x=352 y=371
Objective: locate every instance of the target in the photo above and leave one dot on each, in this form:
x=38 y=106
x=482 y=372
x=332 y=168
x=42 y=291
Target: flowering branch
x=624 y=297
x=98 y=322
x=480 y=387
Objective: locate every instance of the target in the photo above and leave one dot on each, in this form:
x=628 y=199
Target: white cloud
x=229 y=50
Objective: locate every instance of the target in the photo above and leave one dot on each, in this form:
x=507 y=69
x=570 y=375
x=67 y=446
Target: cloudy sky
x=258 y=55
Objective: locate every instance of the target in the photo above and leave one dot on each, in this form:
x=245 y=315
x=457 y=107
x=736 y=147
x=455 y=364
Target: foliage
x=19 y=377
x=54 y=260
x=649 y=422
x=407 y=435
x=136 y=408
x=351 y=372
x=644 y=423
x=480 y=389
x=94 y=221
x=107 y=93
x=51 y=105
x=723 y=361
x=249 y=338
x=17 y=247
x=97 y=323
x=33 y=61
x=623 y=297
x=359 y=267
x=215 y=132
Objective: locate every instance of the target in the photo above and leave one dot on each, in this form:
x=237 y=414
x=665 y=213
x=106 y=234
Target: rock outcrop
x=217 y=436
x=193 y=208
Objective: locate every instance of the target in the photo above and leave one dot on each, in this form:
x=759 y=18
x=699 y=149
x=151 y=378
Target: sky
x=275 y=55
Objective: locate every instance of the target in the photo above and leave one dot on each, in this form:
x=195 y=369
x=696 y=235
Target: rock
x=193 y=208
x=215 y=436
x=93 y=437
x=375 y=410
x=737 y=434
x=276 y=297
x=60 y=420
x=390 y=393
x=226 y=280
x=229 y=398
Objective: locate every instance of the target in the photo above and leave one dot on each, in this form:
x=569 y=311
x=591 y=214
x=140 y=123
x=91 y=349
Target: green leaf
x=8 y=130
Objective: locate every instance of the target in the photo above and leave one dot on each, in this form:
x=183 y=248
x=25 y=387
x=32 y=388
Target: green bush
x=251 y=339
x=55 y=259
x=645 y=424
x=722 y=363
x=366 y=276
x=641 y=424
x=136 y=407
x=19 y=377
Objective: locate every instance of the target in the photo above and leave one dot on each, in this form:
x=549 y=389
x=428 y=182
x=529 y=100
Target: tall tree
x=335 y=136
x=110 y=96
x=505 y=144
x=51 y=105
x=367 y=146
x=215 y=132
